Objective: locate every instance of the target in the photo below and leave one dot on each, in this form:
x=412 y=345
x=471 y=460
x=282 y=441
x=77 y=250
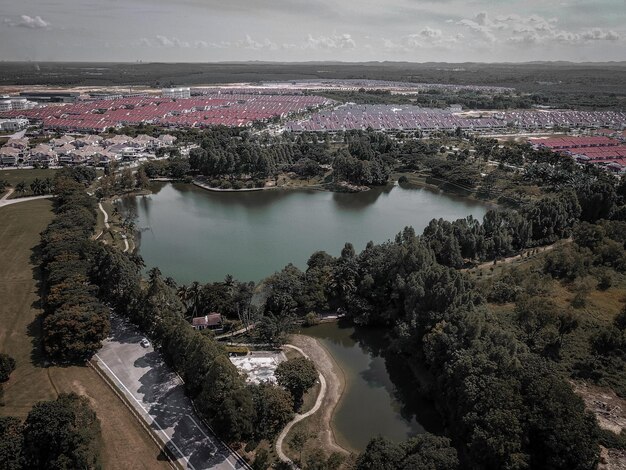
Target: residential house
x=212 y=321
x=9 y=156
x=118 y=140
x=62 y=141
x=18 y=143
x=167 y=140
x=43 y=154
x=88 y=140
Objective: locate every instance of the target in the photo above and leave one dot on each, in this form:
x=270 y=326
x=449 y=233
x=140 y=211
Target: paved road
x=158 y=395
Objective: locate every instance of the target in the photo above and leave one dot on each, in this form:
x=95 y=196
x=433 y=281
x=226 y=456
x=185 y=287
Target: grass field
x=125 y=443
x=27 y=175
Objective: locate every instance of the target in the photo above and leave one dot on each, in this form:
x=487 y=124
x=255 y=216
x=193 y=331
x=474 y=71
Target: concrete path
x=106 y=216
x=5 y=201
x=158 y=395
x=238 y=332
x=299 y=417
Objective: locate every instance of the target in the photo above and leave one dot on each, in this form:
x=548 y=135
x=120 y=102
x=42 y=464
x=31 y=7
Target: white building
x=5 y=105
x=176 y=93
x=13 y=124
x=22 y=103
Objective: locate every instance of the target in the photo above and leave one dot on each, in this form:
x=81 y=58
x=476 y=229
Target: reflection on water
x=380 y=397
x=196 y=235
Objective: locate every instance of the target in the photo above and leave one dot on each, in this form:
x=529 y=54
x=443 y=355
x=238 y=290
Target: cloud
x=598 y=34
x=529 y=30
x=249 y=43
x=336 y=41
x=25 y=21
x=481 y=25
x=427 y=37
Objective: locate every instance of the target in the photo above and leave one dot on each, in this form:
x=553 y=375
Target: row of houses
x=82 y=149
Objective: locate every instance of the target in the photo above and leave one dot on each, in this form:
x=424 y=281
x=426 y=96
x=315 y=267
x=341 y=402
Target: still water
x=379 y=398
x=196 y=235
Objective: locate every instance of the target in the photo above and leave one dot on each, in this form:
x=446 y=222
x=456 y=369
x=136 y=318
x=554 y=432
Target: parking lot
x=158 y=395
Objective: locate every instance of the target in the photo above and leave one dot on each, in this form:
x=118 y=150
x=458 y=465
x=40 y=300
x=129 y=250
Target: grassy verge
x=125 y=444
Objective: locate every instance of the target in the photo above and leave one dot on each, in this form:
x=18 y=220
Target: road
x=157 y=394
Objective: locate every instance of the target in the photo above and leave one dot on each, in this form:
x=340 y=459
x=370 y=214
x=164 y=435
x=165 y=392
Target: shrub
x=310 y=319
x=7 y=365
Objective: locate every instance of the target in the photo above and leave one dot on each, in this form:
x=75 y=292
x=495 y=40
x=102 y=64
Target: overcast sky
x=303 y=30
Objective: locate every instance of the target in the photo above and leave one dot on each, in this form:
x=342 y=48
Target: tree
x=272 y=329
x=62 y=434
x=261 y=460
x=298 y=441
x=297 y=376
x=142 y=180
x=380 y=454
x=127 y=181
x=11 y=443
x=274 y=409
x=7 y=365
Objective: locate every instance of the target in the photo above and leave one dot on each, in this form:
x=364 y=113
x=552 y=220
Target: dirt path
x=335 y=385
x=540 y=249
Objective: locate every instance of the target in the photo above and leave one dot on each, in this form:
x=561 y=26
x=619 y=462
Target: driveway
x=158 y=395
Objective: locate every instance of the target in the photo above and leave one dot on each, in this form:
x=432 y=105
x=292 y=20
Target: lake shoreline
x=335 y=377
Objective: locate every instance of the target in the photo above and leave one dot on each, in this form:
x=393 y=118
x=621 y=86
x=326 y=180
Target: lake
x=378 y=399
x=196 y=235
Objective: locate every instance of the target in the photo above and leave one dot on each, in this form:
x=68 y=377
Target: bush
x=225 y=185
x=503 y=292
x=249 y=184
x=238 y=185
x=311 y=319
x=605 y=280
x=259 y=184
x=7 y=365
x=215 y=183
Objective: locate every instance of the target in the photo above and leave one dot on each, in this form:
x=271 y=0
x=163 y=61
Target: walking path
x=5 y=201
x=332 y=385
x=106 y=216
x=299 y=417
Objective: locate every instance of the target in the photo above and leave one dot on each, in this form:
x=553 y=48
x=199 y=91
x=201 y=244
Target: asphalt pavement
x=157 y=393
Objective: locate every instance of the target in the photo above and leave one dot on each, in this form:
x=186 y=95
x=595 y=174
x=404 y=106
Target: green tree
x=7 y=365
x=62 y=434
x=261 y=460
x=11 y=443
x=297 y=376
x=273 y=408
x=298 y=440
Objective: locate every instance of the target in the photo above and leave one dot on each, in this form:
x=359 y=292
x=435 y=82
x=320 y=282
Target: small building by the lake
x=212 y=321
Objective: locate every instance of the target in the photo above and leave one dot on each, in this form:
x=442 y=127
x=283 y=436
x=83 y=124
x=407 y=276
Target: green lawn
x=13 y=177
x=125 y=443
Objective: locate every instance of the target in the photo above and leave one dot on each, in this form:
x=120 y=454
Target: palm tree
x=20 y=187
x=37 y=187
x=194 y=297
x=183 y=294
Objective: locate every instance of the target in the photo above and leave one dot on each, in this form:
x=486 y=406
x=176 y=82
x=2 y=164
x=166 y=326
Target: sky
x=313 y=30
